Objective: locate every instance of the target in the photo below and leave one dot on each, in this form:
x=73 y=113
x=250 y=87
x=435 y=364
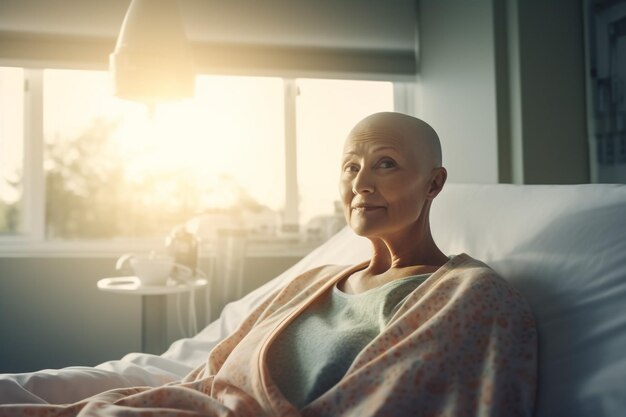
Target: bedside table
x=153 y=306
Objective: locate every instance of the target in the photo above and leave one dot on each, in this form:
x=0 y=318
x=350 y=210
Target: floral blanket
x=463 y=343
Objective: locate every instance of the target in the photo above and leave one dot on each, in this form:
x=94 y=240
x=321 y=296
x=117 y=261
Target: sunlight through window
x=115 y=169
x=11 y=149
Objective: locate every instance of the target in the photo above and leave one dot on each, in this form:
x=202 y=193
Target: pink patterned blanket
x=463 y=343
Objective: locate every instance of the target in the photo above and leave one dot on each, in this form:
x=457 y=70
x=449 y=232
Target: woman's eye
x=387 y=163
x=351 y=168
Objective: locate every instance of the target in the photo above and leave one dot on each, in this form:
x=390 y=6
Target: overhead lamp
x=152 y=61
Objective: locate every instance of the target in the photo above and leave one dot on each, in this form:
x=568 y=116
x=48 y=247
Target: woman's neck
x=389 y=263
x=402 y=252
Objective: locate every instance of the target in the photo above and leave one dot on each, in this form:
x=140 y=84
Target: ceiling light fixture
x=152 y=61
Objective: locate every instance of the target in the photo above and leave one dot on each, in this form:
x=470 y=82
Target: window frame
x=32 y=241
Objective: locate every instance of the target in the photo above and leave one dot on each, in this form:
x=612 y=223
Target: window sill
x=20 y=247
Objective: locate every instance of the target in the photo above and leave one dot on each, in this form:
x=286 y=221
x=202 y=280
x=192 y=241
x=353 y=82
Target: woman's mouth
x=362 y=208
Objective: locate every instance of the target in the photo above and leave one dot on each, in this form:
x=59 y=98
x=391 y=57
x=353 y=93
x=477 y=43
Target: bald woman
x=411 y=332
x=379 y=332
x=390 y=174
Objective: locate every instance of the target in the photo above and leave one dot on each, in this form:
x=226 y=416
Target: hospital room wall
x=52 y=315
x=502 y=81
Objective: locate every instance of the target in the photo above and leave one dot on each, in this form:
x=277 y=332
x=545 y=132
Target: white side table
x=153 y=306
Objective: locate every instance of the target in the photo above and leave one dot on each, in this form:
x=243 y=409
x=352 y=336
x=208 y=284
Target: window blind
x=324 y=38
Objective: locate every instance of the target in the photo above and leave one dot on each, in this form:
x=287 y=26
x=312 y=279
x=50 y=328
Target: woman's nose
x=363 y=183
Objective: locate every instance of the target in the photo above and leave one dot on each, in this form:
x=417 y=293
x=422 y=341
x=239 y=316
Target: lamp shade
x=152 y=61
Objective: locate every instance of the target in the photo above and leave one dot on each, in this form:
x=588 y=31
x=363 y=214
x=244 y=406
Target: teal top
x=315 y=350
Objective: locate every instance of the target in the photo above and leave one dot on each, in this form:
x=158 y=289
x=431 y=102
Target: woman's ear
x=437 y=182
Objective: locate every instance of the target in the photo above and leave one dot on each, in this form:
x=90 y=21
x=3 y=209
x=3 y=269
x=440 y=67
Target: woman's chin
x=364 y=230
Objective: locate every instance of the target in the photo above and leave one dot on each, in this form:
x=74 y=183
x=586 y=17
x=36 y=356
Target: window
x=112 y=170
x=115 y=170
x=11 y=150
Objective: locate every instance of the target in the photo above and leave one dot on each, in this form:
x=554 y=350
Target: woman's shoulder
x=477 y=278
x=464 y=265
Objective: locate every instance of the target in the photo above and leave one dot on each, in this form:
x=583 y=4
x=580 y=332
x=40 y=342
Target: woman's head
x=391 y=171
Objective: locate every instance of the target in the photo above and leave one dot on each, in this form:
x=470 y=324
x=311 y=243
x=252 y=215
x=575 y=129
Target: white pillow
x=564 y=247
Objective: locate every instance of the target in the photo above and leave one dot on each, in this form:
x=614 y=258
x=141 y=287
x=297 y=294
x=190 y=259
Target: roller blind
x=364 y=38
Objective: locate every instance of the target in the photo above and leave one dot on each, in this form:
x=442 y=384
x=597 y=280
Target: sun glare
x=223 y=148
x=233 y=128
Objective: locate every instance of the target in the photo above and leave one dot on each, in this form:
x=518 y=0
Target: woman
x=409 y=332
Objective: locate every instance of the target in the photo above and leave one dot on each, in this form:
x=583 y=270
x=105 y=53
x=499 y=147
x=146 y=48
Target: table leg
x=153 y=324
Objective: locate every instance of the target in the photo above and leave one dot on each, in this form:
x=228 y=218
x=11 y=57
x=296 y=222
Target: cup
x=152 y=270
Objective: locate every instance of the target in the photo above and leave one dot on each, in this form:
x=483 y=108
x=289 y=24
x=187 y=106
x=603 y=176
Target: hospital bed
x=563 y=247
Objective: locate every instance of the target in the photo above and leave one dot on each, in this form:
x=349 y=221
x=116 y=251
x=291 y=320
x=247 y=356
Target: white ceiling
x=351 y=24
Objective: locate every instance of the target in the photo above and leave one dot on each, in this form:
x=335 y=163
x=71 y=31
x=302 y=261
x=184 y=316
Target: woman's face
x=383 y=184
